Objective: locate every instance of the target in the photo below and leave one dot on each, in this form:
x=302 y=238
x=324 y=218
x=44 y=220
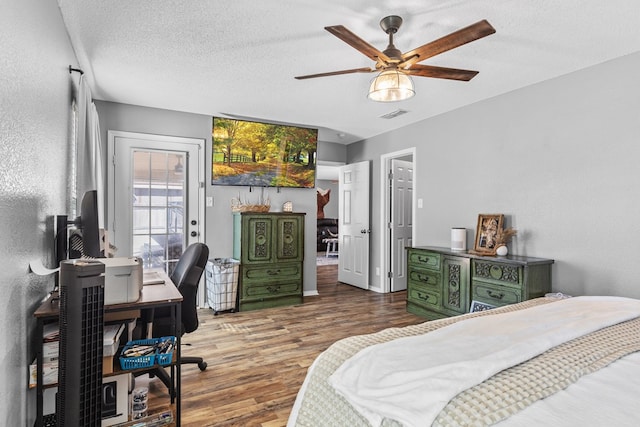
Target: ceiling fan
x=391 y=59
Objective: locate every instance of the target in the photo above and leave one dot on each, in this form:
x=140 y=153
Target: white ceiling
x=239 y=57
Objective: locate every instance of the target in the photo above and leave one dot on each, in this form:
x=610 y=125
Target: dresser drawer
x=271 y=273
x=424 y=259
x=422 y=277
x=423 y=296
x=271 y=290
x=494 y=294
x=498 y=272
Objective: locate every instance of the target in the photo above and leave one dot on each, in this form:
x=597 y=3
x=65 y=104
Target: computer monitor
x=85 y=239
x=88 y=223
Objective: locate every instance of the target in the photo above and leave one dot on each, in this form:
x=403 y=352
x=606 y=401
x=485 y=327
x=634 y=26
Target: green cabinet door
x=456 y=284
x=258 y=240
x=289 y=238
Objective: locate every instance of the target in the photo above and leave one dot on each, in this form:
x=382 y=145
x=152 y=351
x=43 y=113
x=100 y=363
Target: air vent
x=393 y=114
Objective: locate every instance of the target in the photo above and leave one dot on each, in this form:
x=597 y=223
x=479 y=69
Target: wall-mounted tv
x=263 y=154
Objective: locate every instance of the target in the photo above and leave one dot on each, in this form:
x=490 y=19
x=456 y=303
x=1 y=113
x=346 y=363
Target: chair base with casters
x=163 y=376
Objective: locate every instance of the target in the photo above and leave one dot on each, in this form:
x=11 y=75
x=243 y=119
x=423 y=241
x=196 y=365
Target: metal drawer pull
x=495 y=296
x=273 y=289
x=423 y=259
x=273 y=272
x=423 y=297
x=423 y=277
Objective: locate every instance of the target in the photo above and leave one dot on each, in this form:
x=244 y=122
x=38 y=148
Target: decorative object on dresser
x=239 y=204
x=442 y=282
x=502 y=239
x=459 y=239
x=488 y=227
x=270 y=247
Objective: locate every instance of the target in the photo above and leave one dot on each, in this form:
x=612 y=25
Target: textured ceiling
x=239 y=57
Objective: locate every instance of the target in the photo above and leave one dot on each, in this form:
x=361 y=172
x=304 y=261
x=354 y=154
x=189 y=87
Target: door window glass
x=159 y=183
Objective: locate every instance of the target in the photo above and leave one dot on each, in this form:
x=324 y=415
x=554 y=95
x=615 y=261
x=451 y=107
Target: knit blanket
x=483 y=404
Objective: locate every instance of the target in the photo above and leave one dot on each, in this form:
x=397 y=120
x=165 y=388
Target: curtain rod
x=71 y=69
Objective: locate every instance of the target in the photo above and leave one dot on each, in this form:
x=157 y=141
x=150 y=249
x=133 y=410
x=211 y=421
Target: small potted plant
x=502 y=238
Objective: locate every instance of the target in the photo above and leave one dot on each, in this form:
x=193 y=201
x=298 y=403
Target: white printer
x=122 y=280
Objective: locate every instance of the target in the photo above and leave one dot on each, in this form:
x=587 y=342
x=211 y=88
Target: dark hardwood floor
x=258 y=359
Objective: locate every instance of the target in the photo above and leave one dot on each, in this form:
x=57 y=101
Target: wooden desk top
x=152 y=296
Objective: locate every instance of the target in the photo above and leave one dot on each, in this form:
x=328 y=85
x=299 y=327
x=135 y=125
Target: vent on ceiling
x=393 y=114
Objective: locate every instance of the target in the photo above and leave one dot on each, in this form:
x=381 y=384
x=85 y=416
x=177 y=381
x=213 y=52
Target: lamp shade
x=390 y=86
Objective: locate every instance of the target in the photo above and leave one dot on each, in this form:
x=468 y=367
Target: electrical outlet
x=377 y=271
x=419 y=203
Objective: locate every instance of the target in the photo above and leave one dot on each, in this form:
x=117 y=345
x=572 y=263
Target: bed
x=548 y=361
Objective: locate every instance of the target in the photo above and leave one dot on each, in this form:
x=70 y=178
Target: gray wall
x=559 y=159
x=36 y=93
x=332 y=152
x=218 y=221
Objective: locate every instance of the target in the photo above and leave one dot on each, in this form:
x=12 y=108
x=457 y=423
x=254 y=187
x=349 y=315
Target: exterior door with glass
x=156 y=199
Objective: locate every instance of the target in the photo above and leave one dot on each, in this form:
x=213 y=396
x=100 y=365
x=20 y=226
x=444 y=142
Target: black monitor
x=84 y=241
x=88 y=223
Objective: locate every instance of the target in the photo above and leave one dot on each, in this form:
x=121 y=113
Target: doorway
x=398 y=191
x=155 y=198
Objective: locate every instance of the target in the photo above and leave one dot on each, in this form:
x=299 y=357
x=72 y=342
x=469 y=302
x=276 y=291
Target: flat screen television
x=248 y=153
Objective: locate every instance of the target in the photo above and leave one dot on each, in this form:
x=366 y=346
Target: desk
x=160 y=295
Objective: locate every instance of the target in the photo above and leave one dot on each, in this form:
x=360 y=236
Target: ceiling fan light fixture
x=391 y=86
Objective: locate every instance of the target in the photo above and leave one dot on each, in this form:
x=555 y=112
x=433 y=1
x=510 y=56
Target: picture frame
x=486 y=232
x=480 y=306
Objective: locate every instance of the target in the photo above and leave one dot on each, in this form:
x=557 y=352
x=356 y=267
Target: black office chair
x=186 y=277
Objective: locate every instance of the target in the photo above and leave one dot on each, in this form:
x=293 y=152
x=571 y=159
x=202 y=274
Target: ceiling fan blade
x=336 y=73
x=441 y=72
x=356 y=42
x=456 y=39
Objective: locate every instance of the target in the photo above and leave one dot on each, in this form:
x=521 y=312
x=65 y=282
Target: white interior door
x=155 y=197
x=401 y=227
x=354 y=229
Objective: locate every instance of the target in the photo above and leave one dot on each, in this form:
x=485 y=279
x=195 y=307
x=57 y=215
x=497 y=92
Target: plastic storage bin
x=222 y=284
x=150 y=359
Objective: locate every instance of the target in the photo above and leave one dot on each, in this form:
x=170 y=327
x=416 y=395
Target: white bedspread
x=411 y=379
x=608 y=397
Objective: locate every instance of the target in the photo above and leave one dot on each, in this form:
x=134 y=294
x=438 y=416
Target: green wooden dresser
x=270 y=247
x=442 y=282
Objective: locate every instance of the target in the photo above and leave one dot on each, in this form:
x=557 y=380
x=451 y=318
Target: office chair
x=186 y=277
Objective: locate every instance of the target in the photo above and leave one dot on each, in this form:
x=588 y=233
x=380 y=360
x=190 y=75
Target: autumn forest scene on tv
x=263 y=154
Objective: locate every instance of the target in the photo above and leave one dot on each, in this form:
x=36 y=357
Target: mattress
x=503 y=398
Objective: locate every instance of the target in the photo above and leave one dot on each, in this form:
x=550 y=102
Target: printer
x=122 y=279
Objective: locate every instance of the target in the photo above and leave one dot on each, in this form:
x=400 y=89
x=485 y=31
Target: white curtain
x=89 y=171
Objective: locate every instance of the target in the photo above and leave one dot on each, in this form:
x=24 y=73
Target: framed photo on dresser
x=486 y=232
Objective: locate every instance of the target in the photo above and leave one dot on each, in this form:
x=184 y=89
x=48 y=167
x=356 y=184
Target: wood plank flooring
x=257 y=360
